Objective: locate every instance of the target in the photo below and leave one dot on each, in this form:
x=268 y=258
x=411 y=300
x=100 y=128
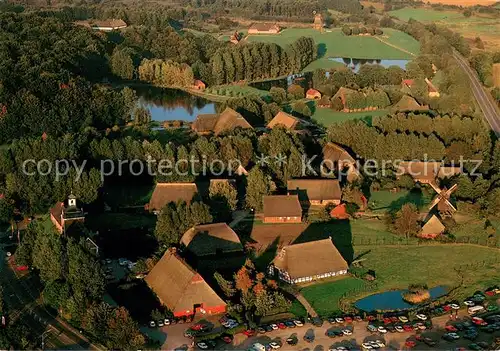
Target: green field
x=336 y=44
x=327 y=116
x=238 y=90
x=384 y=200
x=426 y=14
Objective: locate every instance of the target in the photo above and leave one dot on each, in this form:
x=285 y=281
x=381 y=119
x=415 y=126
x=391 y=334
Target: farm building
x=165 y=193
x=315 y=191
x=284 y=119
x=336 y=158
x=229 y=119
x=282 y=209
x=339 y=212
x=211 y=239
x=63 y=214
x=199 y=85
x=407 y=84
x=264 y=28
x=408 y=103
x=309 y=261
x=313 y=94
x=105 y=26
x=422 y=172
x=181 y=289
x=342 y=94
x=432 y=228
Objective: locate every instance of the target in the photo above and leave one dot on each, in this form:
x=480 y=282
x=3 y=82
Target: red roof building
x=313 y=94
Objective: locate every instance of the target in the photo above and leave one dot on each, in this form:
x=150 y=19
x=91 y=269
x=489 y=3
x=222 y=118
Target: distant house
x=264 y=28
x=315 y=191
x=318 y=22
x=229 y=119
x=199 y=85
x=407 y=84
x=339 y=212
x=211 y=239
x=335 y=157
x=422 y=172
x=313 y=94
x=63 y=214
x=433 y=92
x=235 y=37
x=309 y=261
x=282 y=209
x=342 y=94
x=408 y=103
x=284 y=119
x=432 y=228
x=165 y=193
x=105 y=26
x=181 y=289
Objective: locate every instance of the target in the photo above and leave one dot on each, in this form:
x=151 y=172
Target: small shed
x=313 y=94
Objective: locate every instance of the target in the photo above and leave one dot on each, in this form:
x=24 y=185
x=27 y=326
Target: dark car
x=317 y=322
x=309 y=338
x=261 y=330
x=292 y=340
x=429 y=342
x=330 y=333
x=268 y=328
x=391 y=328
x=331 y=320
x=227 y=338
x=290 y=324
x=471 y=335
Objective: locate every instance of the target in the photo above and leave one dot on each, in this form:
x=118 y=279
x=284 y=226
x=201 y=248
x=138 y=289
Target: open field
x=463 y=2
x=384 y=200
x=327 y=116
x=486 y=27
x=238 y=90
x=336 y=44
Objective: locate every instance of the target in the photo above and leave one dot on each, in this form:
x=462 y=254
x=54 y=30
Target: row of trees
x=347 y=30
x=166 y=73
x=258 y=60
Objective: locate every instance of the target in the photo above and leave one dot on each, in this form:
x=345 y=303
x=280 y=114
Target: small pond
x=355 y=64
x=393 y=300
x=173 y=104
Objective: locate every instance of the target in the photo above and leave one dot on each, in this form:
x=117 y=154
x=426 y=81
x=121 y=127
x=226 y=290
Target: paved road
x=22 y=294
x=490 y=110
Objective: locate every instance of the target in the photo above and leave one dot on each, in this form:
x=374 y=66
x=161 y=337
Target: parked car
x=348 y=319
x=330 y=333
x=160 y=323
x=274 y=326
x=429 y=342
x=152 y=324
x=261 y=330
x=382 y=330
x=455 y=306
x=309 y=338
x=366 y=346
x=450 y=328
x=339 y=320
x=317 y=322
x=475 y=309
x=479 y=321
x=469 y=303
x=331 y=320
x=281 y=325
x=358 y=319
x=298 y=323
x=290 y=324
x=202 y=345
x=407 y=328
x=249 y=332
x=421 y=316
x=274 y=345
x=371 y=328
x=347 y=332
x=403 y=319
x=399 y=328
x=227 y=338
x=268 y=328
x=292 y=341
x=410 y=343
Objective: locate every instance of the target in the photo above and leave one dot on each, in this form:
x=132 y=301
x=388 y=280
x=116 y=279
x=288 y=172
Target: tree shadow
x=414 y=196
x=321 y=50
x=265 y=258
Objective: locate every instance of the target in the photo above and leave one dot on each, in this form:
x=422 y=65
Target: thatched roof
x=337 y=154
x=178 y=286
x=264 y=27
x=165 y=193
x=407 y=103
x=420 y=171
x=432 y=227
x=282 y=206
x=205 y=123
x=208 y=239
x=230 y=119
x=310 y=259
x=315 y=189
x=342 y=93
x=284 y=119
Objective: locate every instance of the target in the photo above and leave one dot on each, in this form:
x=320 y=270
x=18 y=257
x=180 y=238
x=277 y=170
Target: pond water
x=393 y=300
x=355 y=64
x=302 y=79
x=173 y=104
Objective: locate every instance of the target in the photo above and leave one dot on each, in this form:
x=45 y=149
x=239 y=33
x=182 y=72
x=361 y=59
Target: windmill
x=442 y=200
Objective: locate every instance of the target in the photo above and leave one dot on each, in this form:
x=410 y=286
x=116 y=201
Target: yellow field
x=463 y=2
x=496 y=74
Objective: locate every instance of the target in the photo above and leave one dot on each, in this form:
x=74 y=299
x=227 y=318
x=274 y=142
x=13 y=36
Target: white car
x=469 y=303
x=298 y=323
x=382 y=330
x=274 y=345
x=339 y=320
x=454 y=336
x=274 y=326
x=202 y=345
x=403 y=319
x=152 y=324
x=9 y=254
x=399 y=329
x=341 y=348
x=166 y=321
x=258 y=347
x=160 y=323
x=455 y=306
x=346 y=332
x=380 y=343
x=366 y=346
x=374 y=345
x=421 y=316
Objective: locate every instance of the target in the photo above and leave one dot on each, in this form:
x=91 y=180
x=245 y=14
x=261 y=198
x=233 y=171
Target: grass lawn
x=426 y=14
x=384 y=200
x=323 y=63
x=235 y=90
x=398 y=266
x=336 y=44
x=122 y=196
x=324 y=297
x=327 y=116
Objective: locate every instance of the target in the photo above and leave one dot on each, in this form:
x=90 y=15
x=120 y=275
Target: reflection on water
x=172 y=104
x=393 y=300
x=355 y=64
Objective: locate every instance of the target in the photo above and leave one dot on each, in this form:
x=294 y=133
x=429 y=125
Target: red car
x=199 y=327
x=370 y=318
x=394 y=319
x=281 y=325
x=249 y=332
x=227 y=339
x=348 y=319
x=410 y=343
x=490 y=293
x=407 y=328
x=387 y=321
x=450 y=328
x=419 y=337
x=447 y=308
x=479 y=321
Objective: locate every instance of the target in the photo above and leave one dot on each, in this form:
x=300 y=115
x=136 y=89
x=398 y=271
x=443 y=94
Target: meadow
x=327 y=116
x=335 y=44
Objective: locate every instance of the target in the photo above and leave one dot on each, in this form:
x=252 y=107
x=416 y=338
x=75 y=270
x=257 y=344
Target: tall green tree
x=258 y=185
